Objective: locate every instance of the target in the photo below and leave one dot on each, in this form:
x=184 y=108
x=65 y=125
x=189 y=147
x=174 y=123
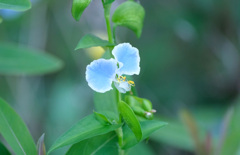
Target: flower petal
x=128 y=58
x=122 y=87
x=100 y=74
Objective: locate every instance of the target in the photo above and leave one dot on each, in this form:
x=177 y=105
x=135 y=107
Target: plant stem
x=119 y=131
x=107 y=16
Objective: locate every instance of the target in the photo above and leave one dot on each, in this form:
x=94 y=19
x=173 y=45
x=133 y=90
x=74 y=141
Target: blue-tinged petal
x=128 y=58
x=100 y=74
x=122 y=87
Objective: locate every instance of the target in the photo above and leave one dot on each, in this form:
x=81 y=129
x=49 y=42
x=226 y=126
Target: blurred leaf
x=78 y=7
x=148 y=127
x=107 y=102
x=4 y=150
x=191 y=125
x=223 y=129
x=86 y=128
x=141 y=149
x=130 y=119
x=104 y=144
x=131 y=15
x=170 y=135
x=90 y=40
x=1 y=19
x=41 y=146
x=16 y=60
x=232 y=140
x=15 y=131
x=18 y=5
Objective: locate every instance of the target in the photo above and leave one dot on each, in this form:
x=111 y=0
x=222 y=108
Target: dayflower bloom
x=101 y=73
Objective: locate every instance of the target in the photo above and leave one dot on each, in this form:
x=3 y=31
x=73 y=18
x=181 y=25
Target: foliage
x=189 y=60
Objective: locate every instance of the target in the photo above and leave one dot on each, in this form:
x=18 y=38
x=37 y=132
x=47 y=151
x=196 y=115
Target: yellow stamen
x=123 y=79
x=131 y=83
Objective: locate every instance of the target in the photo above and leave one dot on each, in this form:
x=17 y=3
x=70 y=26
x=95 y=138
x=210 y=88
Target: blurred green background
x=190 y=59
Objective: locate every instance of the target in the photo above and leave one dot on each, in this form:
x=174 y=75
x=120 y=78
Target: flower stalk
x=107 y=8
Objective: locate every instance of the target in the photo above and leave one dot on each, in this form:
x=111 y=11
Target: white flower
x=101 y=73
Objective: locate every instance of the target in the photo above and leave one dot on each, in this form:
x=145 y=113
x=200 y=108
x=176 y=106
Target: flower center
x=123 y=79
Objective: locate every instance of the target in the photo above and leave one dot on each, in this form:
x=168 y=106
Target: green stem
x=119 y=132
x=107 y=18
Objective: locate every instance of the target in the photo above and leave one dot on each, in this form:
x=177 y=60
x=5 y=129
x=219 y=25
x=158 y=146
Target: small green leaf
x=104 y=144
x=102 y=118
x=15 y=132
x=17 y=5
x=148 y=127
x=107 y=102
x=4 y=150
x=15 y=60
x=86 y=128
x=106 y=117
x=130 y=119
x=90 y=40
x=131 y=15
x=78 y=7
x=41 y=146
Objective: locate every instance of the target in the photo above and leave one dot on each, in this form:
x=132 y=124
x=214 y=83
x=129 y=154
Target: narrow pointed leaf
x=41 y=146
x=90 y=40
x=130 y=119
x=4 y=150
x=148 y=127
x=18 y=5
x=131 y=15
x=78 y=7
x=86 y=128
x=15 y=60
x=104 y=144
x=15 y=132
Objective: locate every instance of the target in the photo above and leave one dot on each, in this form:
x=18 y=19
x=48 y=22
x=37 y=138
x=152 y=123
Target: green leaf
x=131 y=15
x=15 y=131
x=232 y=141
x=15 y=60
x=102 y=118
x=105 y=117
x=18 y=5
x=130 y=119
x=107 y=102
x=148 y=127
x=41 y=146
x=104 y=144
x=90 y=40
x=86 y=128
x=1 y=19
x=78 y=7
x=4 y=150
